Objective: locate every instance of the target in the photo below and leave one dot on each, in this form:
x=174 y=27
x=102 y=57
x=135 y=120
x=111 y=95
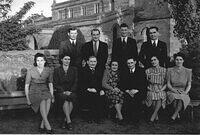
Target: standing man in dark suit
x=153 y=47
x=124 y=47
x=96 y=48
x=133 y=83
x=72 y=47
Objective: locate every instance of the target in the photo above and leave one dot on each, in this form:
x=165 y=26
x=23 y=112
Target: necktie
x=73 y=42
x=95 y=48
x=154 y=44
x=124 y=42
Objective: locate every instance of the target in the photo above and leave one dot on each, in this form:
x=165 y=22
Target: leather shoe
x=69 y=126
x=49 y=131
x=42 y=130
x=63 y=126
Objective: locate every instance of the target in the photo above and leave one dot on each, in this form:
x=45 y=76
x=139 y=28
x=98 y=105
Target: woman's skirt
x=172 y=96
x=154 y=96
x=38 y=93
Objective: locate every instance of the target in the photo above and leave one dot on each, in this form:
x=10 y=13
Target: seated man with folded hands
x=133 y=83
x=92 y=95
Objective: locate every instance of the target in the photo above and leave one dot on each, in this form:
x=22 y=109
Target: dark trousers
x=95 y=103
x=132 y=107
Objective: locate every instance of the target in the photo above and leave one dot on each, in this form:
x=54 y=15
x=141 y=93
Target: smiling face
x=114 y=66
x=66 y=60
x=40 y=61
x=124 y=31
x=154 y=61
x=73 y=34
x=153 y=33
x=95 y=35
x=179 y=61
x=131 y=63
x=92 y=62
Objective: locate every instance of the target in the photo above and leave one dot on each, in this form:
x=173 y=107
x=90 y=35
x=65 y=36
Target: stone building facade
x=107 y=15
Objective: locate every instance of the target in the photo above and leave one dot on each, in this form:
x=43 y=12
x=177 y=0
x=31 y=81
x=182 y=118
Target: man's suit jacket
x=121 y=52
x=147 y=50
x=102 y=53
x=136 y=80
x=74 y=51
x=91 y=79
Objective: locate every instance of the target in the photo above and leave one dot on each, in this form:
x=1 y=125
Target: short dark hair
x=62 y=56
x=179 y=54
x=157 y=56
x=123 y=25
x=131 y=57
x=112 y=62
x=39 y=55
x=95 y=30
x=92 y=56
x=71 y=28
x=154 y=27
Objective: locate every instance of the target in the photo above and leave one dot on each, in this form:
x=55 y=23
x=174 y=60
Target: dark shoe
x=49 y=131
x=69 y=126
x=64 y=125
x=42 y=130
x=151 y=122
x=172 y=121
x=121 y=122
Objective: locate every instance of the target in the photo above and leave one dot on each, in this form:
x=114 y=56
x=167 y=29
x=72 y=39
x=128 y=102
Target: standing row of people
x=125 y=84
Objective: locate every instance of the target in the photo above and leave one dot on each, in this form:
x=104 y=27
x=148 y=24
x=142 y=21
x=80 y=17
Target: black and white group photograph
x=99 y=67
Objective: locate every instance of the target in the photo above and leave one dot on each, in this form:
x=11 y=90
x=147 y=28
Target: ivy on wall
x=12 y=29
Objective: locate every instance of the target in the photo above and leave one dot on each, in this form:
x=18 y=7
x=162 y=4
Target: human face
x=40 y=62
x=114 y=66
x=153 y=34
x=154 y=61
x=73 y=34
x=92 y=62
x=131 y=63
x=179 y=61
x=66 y=61
x=95 y=35
x=124 y=31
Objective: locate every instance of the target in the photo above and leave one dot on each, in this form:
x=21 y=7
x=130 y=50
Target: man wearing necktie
x=153 y=47
x=91 y=93
x=124 y=47
x=133 y=84
x=72 y=47
x=96 y=48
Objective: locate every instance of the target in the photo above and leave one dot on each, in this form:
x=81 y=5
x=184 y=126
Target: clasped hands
x=93 y=90
x=132 y=92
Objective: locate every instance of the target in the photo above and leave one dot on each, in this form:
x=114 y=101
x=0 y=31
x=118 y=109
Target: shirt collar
x=156 y=41
x=124 y=38
x=132 y=70
x=72 y=41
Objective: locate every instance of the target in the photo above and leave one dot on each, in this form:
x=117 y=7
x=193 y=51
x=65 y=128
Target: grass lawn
x=24 y=121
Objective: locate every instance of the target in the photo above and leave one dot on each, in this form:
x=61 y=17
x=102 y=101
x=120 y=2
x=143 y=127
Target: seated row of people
x=126 y=90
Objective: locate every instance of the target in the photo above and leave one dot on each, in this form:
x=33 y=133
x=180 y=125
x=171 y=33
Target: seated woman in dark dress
x=113 y=93
x=65 y=83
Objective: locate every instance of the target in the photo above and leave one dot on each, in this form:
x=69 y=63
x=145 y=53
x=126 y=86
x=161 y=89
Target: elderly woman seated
x=179 y=83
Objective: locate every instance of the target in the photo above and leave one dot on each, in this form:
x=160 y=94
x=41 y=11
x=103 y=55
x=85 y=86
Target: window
x=90 y=9
x=76 y=12
x=97 y=7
